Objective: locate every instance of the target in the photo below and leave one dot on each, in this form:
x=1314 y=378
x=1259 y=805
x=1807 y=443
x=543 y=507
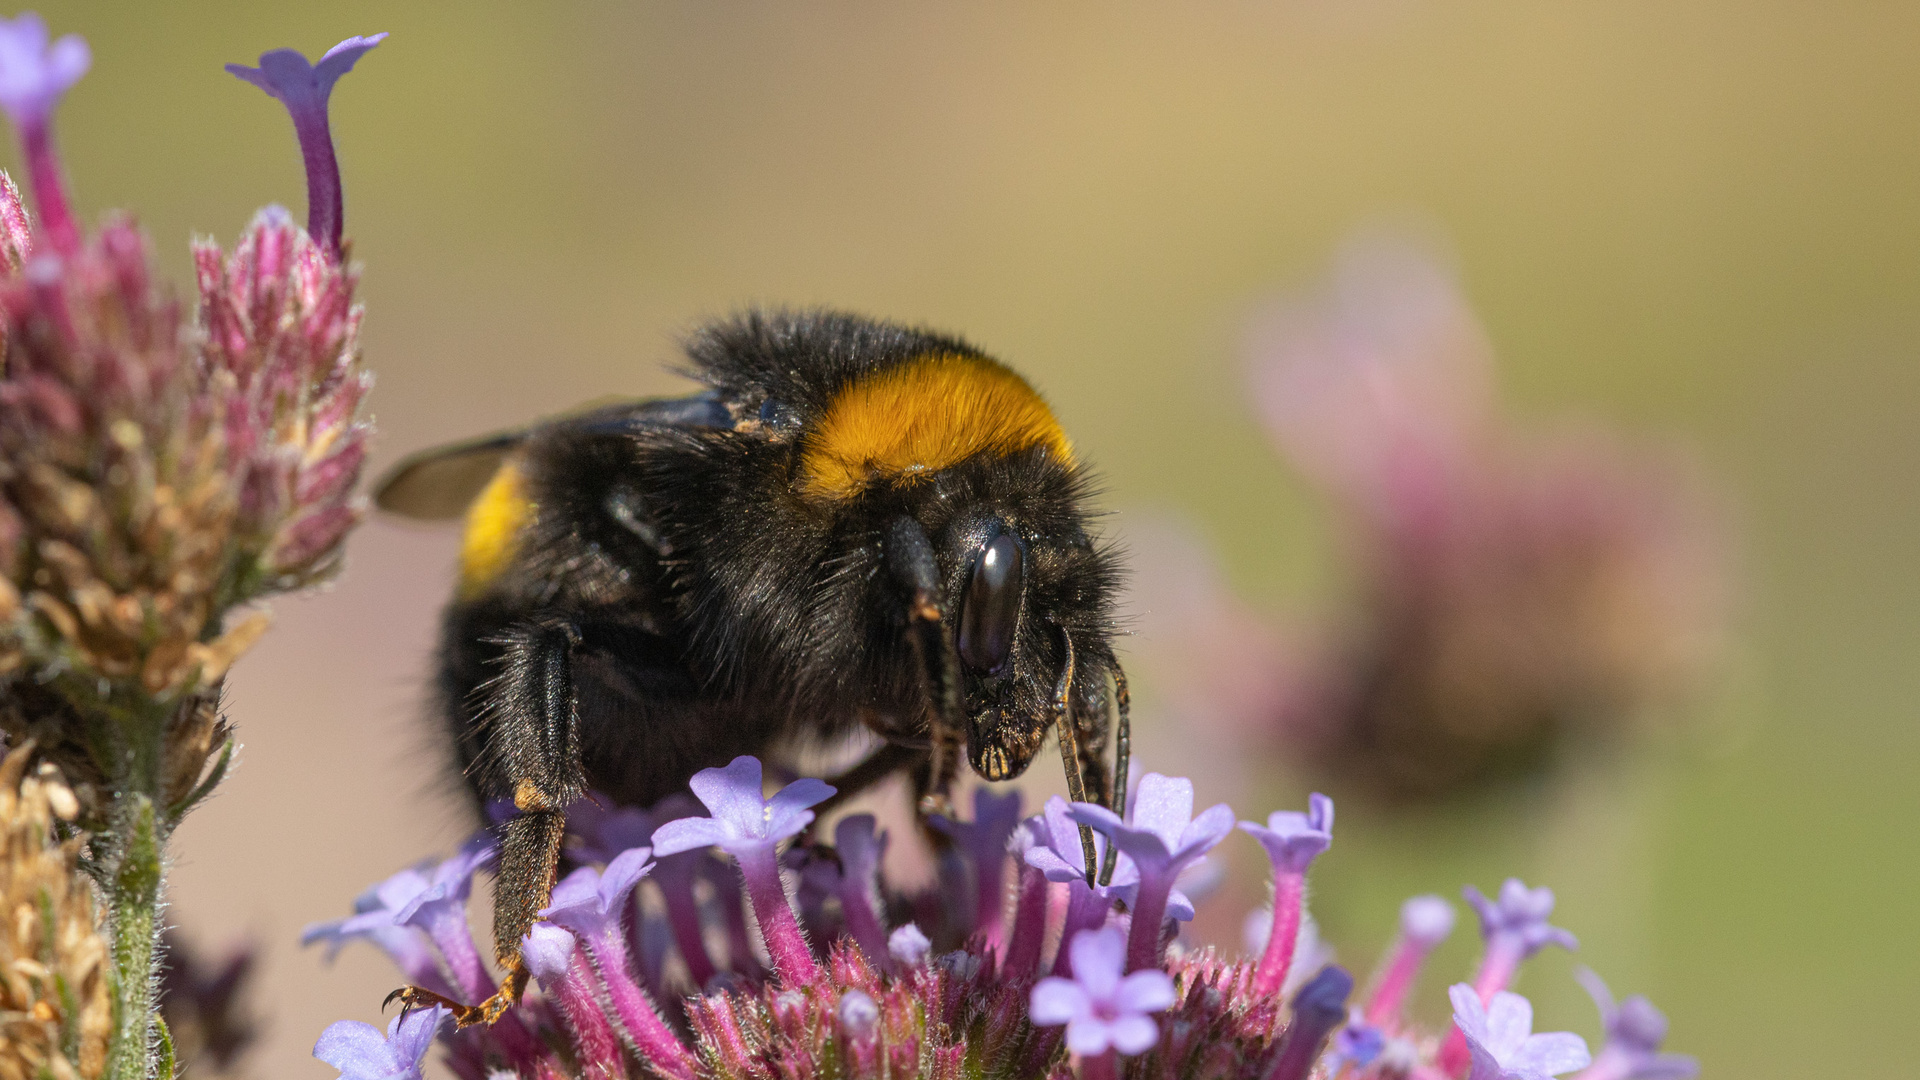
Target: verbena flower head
x=1500 y=1035
x=925 y=989
x=1514 y=588
x=153 y=481
x=1101 y=1008
x=1634 y=1032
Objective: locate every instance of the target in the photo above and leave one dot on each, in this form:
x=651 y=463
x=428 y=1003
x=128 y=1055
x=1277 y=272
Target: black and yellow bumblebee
x=856 y=524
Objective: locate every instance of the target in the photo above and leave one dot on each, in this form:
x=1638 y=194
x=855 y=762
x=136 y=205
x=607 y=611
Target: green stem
x=134 y=903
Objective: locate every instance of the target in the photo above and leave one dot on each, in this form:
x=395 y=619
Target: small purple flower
x=605 y=833
x=909 y=946
x=744 y=820
x=360 y=1052
x=1635 y=1030
x=1426 y=920
x=590 y=903
x=984 y=841
x=749 y=826
x=860 y=851
x=34 y=74
x=430 y=898
x=1518 y=918
x=1101 y=1009
x=1358 y=1044
x=1162 y=837
x=304 y=88
x=1293 y=839
x=1500 y=1037
x=1318 y=1008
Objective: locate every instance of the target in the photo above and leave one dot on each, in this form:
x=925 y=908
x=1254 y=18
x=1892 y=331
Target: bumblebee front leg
x=911 y=561
x=532 y=725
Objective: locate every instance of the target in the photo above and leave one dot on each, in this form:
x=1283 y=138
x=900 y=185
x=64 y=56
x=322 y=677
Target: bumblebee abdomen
x=495 y=524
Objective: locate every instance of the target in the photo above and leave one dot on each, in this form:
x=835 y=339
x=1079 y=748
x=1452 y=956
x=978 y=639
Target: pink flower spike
x=1500 y=1036
x=1102 y=1010
x=304 y=88
x=33 y=77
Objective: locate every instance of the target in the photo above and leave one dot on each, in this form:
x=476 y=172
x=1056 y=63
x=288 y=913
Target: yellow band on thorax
x=494 y=523
x=913 y=420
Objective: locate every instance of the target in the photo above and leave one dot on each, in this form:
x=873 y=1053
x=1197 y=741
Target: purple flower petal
x=733 y=795
x=1520 y=917
x=548 y=950
x=1098 y=957
x=787 y=811
x=33 y=76
x=1550 y=1054
x=1145 y=991
x=1088 y=1035
x=1056 y=1001
x=360 y=1052
x=688 y=834
x=1133 y=1033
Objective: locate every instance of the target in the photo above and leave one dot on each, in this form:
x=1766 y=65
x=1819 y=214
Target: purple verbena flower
x=304 y=88
x=860 y=851
x=1318 y=1008
x=1101 y=1009
x=1162 y=837
x=1518 y=919
x=749 y=826
x=984 y=843
x=33 y=77
x=1500 y=1037
x=1635 y=1030
x=360 y=1052
x=590 y=902
x=858 y=1014
x=1293 y=840
x=429 y=898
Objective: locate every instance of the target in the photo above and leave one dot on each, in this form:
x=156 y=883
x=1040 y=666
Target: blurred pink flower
x=1516 y=585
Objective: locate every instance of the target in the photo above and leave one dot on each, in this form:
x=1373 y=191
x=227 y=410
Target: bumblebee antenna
x=1070 y=750
x=910 y=559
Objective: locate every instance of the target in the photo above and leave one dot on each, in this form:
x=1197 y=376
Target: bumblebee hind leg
x=534 y=748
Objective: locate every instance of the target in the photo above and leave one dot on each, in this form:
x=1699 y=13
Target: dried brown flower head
x=54 y=1010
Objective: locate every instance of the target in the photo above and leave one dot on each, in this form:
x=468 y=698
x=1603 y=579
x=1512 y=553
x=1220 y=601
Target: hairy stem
x=133 y=900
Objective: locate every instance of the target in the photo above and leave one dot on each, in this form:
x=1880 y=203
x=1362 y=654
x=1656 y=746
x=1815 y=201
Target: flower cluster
x=1515 y=587
x=655 y=958
x=160 y=470
x=156 y=471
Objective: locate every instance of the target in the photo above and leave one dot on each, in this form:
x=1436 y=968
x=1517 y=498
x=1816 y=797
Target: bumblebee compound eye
x=991 y=606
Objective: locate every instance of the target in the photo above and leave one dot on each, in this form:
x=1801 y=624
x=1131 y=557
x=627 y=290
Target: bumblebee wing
x=439 y=484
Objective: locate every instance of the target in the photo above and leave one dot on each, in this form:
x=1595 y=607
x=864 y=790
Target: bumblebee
x=855 y=525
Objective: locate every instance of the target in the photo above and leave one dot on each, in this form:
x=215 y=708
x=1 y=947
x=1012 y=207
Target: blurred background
x=1689 y=225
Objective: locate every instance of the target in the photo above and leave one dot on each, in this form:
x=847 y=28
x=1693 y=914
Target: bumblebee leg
x=910 y=559
x=535 y=742
x=1122 y=757
x=1064 y=724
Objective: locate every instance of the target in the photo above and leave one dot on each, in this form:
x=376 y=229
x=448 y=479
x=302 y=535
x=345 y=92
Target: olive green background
x=1696 y=220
